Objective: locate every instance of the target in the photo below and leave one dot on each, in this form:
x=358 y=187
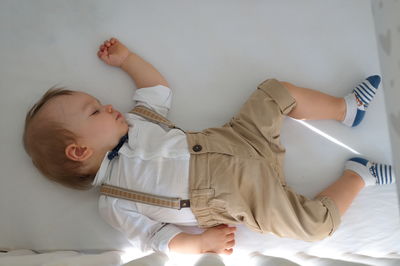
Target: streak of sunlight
x=330 y=138
x=131 y=253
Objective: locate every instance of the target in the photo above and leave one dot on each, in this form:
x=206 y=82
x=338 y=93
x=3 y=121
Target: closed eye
x=95 y=112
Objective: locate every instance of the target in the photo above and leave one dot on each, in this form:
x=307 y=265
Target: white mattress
x=213 y=54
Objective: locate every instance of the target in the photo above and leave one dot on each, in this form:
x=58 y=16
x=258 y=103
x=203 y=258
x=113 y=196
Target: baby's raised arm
x=114 y=53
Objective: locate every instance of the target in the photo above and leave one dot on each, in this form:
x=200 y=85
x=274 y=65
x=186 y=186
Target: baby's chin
x=119 y=137
x=126 y=129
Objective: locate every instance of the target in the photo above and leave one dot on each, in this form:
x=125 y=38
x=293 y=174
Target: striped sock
x=357 y=102
x=372 y=173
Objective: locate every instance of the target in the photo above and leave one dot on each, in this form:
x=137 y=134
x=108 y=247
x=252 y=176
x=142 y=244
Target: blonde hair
x=45 y=142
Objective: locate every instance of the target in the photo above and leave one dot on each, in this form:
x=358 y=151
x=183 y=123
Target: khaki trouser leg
x=236 y=174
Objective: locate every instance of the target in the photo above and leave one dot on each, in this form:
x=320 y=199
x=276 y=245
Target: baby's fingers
x=228 y=251
x=230 y=237
x=110 y=42
x=231 y=243
x=103 y=55
x=107 y=43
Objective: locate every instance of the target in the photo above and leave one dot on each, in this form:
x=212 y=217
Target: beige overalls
x=236 y=173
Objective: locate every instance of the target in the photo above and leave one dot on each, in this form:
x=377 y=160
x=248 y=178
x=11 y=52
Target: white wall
x=387 y=24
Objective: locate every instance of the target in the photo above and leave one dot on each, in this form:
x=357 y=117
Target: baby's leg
x=315 y=105
x=358 y=173
x=344 y=190
x=350 y=110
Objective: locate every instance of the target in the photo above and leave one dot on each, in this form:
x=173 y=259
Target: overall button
x=197 y=148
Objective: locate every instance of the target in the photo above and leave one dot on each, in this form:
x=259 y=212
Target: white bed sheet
x=24 y=257
x=214 y=54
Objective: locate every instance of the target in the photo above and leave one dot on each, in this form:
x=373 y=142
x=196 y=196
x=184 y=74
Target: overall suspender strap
x=167 y=202
x=123 y=193
x=152 y=116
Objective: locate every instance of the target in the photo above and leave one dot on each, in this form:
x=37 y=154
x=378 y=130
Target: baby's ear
x=78 y=153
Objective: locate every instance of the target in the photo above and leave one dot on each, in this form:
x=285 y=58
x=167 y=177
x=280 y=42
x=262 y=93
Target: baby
x=229 y=175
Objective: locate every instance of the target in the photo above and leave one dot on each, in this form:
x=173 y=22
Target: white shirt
x=155 y=161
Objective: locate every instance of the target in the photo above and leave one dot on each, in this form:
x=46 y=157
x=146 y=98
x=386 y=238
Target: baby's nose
x=109 y=108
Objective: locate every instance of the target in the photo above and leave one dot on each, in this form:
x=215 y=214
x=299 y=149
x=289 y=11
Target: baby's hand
x=218 y=239
x=113 y=53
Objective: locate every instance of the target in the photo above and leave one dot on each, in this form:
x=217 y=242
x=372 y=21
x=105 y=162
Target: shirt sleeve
x=157 y=98
x=138 y=228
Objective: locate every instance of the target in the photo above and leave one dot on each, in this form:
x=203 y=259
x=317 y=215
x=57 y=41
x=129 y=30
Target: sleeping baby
x=157 y=176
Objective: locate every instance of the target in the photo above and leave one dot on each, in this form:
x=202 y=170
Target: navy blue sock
x=357 y=102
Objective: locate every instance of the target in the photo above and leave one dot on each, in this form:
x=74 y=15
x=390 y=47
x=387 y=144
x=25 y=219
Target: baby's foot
x=372 y=173
x=357 y=102
x=113 y=52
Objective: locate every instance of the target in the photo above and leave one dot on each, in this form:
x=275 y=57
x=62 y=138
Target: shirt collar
x=101 y=173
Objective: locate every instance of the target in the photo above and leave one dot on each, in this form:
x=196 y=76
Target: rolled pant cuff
x=333 y=212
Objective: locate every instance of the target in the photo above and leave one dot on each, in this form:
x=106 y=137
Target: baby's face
x=97 y=126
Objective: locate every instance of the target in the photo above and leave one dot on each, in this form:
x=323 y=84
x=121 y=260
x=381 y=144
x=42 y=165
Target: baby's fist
x=113 y=52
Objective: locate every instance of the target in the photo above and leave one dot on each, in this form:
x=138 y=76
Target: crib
x=214 y=54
